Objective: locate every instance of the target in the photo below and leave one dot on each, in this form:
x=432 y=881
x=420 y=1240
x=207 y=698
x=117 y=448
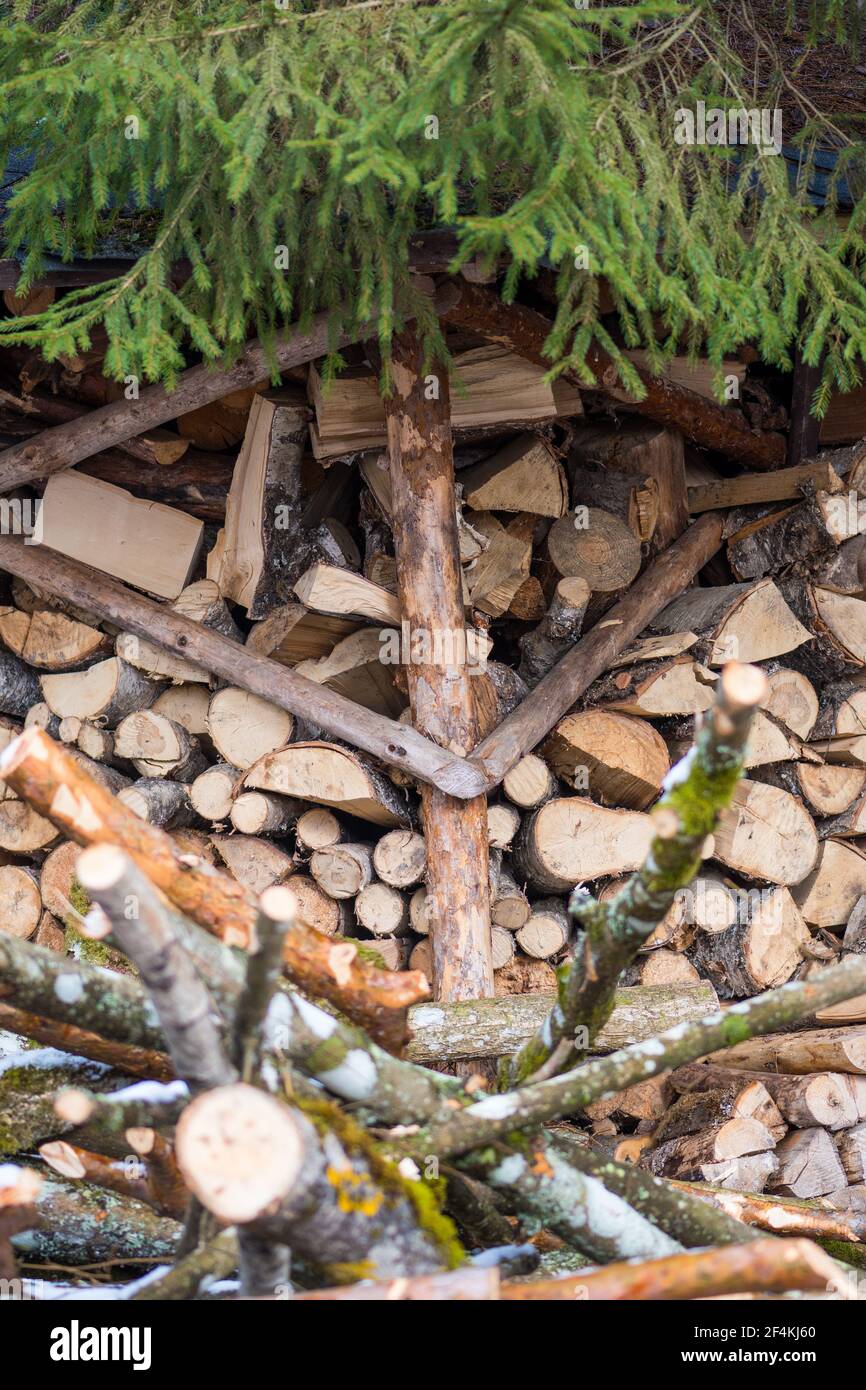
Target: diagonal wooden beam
x=394 y=743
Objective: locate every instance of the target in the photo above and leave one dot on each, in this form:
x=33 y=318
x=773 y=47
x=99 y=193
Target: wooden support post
x=804 y=428
x=424 y=523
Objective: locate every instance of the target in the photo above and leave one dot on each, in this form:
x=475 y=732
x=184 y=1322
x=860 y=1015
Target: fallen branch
x=138 y=1061
x=217 y=1259
x=782 y=1216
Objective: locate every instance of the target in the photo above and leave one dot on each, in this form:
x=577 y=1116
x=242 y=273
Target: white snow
x=493 y=1107
x=68 y=989
x=354 y=1078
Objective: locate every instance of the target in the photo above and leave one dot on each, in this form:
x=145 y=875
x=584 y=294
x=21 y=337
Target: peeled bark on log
x=530 y=783
x=382 y=910
x=43 y=773
x=809 y=1165
x=258 y=813
x=342 y=871
x=332 y=775
x=264 y=548
x=210 y=794
x=262 y=1166
x=244 y=727
x=159 y=801
x=524 y=331
x=570 y=839
x=620 y=761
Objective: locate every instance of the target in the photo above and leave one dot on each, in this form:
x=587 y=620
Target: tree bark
x=424 y=523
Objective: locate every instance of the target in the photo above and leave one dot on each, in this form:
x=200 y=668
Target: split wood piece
x=530 y=782
x=808 y=1165
x=791 y=698
x=22 y=830
x=442 y=699
x=832 y=1100
x=781 y=485
x=546 y=931
x=838 y=624
x=360 y=667
x=317 y=909
x=595 y=546
x=618 y=760
x=592 y=654
x=254 y=862
x=503 y=823
x=851 y=1144
x=343 y=870
x=200 y=603
x=20 y=901
x=146 y=544
x=317 y=829
x=523 y=476
x=341 y=593
x=764 y=545
x=782 y=1216
x=258 y=1164
x=263 y=547
x=50 y=640
x=160 y=801
x=40 y=715
x=49 y=778
x=824 y=1049
x=292 y=634
x=665 y=967
x=107 y=691
x=259 y=813
x=499 y=1027
x=676 y=928
x=95 y=742
x=523 y=330
x=656 y=689
x=703 y=1157
x=498 y=689
x=241 y=666
x=739 y=1098
x=510 y=908
x=842 y=569
x=333 y=776
x=849 y=825
x=768 y=835
x=558 y=630
x=502 y=947
x=157 y=747
x=211 y=793
x=382 y=910
x=758 y=953
x=400 y=858
x=198 y=484
x=827 y=788
x=637 y=448
x=842 y=713
x=743 y=622
x=374 y=470
x=503 y=392
x=244 y=727
x=186 y=704
x=122 y=419
x=571 y=840
x=829 y=894
x=496 y=576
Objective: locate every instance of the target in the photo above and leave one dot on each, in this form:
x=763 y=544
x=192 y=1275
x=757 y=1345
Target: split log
x=523 y=476
x=546 y=931
x=146 y=544
x=655 y=689
x=260 y=1165
x=619 y=761
x=343 y=870
x=210 y=794
x=738 y=1097
x=760 y=952
x=510 y=908
x=419 y=912
x=751 y=489
x=524 y=331
x=501 y=947
x=570 y=839
x=496 y=576
x=809 y=1165
x=829 y=894
x=89 y=815
x=382 y=910
x=400 y=858
x=358 y=667
x=398 y=744
x=292 y=634
x=244 y=727
x=764 y=545
x=51 y=640
x=259 y=813
x=107 y=692
x=263 y=548
x=704 y=1157
x=157 y=747
x=742 y=622
x=333 y=776
x=835 y=1101
x=791 y=698
x=558 y=630
x=838 y=624
x=254 y=862
x=340 y=593
x=767 y=834
x=664 y=967
x=186 y=704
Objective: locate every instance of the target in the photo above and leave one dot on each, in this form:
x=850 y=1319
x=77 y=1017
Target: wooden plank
x=781 y=485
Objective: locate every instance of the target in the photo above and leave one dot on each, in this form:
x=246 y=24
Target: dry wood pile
x=235 y=698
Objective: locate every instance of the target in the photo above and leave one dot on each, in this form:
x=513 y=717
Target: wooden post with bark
x=442 y=699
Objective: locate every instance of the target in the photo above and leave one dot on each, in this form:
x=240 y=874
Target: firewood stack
x=286 y=552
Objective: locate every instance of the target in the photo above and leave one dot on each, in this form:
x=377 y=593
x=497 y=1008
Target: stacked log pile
x=215 y=681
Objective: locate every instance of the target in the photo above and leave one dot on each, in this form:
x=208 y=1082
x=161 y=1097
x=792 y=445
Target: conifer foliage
x=285 y=151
